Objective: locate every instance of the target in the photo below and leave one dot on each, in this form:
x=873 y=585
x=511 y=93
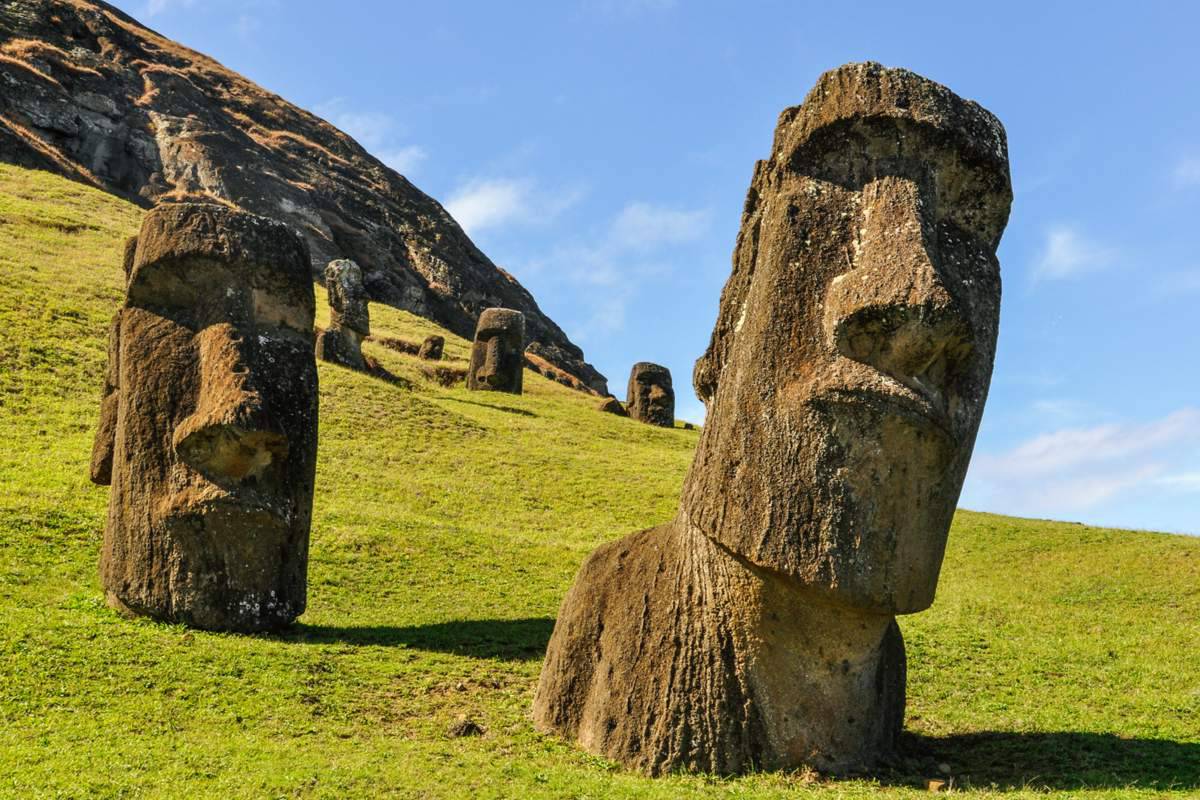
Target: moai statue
x=844 y=381
x=650 y=397
x=431 y=348
x=208 y=426
x=611 y=405
x=498 y=354
x=349 y=318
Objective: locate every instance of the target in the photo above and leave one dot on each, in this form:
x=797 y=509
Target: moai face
x=348 y=301
x=850 y=362
x=213 y=430
x=650 y=396
x=498 y=354
x=431 y=348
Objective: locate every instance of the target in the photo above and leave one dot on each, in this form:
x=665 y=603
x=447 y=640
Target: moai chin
x=845 y=381
x=650 y=397
x=208 y=426
x=349 y=317
x=498 y=353
x=431 y=348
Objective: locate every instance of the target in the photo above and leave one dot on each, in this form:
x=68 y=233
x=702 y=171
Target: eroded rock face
x=845 y=381
x=431 y=348
x=650 y=397
x=89 y=93
x=349 y=316
x=208 y=429
x=497 y=355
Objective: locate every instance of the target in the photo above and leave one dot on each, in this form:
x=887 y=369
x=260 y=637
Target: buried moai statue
x=208 y=425
x=349 y=317
x=844 y=381
x=650 y=397
x=498 y=354
x=431 y=348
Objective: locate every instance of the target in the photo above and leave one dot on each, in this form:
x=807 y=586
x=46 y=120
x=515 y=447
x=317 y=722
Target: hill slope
x=92 y=94
x=447 y=527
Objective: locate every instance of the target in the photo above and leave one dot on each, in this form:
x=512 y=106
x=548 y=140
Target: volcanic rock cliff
x=88 y=92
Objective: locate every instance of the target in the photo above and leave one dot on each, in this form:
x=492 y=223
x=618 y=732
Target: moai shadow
x=845 y=381
x=498 y=353
x=208 y=425
x=349 y=316
x=650 y=398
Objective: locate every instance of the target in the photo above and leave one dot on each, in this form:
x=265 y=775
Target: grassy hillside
x=447 y=527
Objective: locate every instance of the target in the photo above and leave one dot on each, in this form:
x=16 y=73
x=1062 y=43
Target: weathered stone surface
x=88 y=92
x=497 y=355
x=431 y=348
x=650 y=397
x=209 y=421
x=611 y=405
x=349 y=316
x=845 y=381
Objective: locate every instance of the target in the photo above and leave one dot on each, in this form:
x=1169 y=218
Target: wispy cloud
x=156 y=7
x=1073 y=469
x=1068 y=253
x=375 y=131
x=490 y=202
x=1187 y=171
x=641 y=226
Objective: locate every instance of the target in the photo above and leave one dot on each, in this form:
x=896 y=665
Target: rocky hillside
x=91 y=94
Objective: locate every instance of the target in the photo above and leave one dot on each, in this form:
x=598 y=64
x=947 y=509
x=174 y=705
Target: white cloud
x=1068 y=253
x=156 y=7
x=376 y=132
x=1183 y=481
x=641 y=226
x=490 y=202
x=1187 y=171
x=1074 y=469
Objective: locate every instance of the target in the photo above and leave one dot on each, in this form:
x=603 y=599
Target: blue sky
x=600 y=150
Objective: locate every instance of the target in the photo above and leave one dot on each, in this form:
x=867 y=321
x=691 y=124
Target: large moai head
x=208 y=431
x=650 y=397
x=851 y=357
x=498 y=354
x=349 y=317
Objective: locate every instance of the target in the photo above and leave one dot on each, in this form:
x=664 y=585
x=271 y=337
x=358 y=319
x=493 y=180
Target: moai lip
x=349 y=316
x=650 y=398
x=208 y=428
x=498 y=353
x=844 y=382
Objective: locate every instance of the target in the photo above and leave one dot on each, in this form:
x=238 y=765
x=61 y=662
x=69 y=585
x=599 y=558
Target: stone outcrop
x=432 y=347
x=208 y=423
x=650 y=398
x=349 y=316
x=611 y=405
x=89 y=93
x=497 y=360
x=845 y=381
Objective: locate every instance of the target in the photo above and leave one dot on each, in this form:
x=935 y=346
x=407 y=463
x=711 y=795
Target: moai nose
x=230 y=435
x=490 y=371
x=895 y=309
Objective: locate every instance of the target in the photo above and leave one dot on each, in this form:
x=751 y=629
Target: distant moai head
x=348 y=301
x=431 y=348
x=650 y=397
x=498 y=354
x=208 y=431
x=851 y=357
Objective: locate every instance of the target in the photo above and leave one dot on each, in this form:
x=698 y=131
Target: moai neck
x=825 y=681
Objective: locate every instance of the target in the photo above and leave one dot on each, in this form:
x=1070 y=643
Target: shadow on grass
x=494 y=406
x=507 y=639
x=1055 y=761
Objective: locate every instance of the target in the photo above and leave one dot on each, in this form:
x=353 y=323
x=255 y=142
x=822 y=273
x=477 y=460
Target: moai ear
x=106 y=429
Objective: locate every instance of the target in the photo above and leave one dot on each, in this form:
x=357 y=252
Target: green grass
x=447 y=527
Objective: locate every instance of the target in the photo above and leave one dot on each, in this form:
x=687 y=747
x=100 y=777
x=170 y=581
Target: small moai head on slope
x=431 y=348
x=498 y=353
x=650 y=397
x=848 y=368
x=348 y=301
x=208 y=431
